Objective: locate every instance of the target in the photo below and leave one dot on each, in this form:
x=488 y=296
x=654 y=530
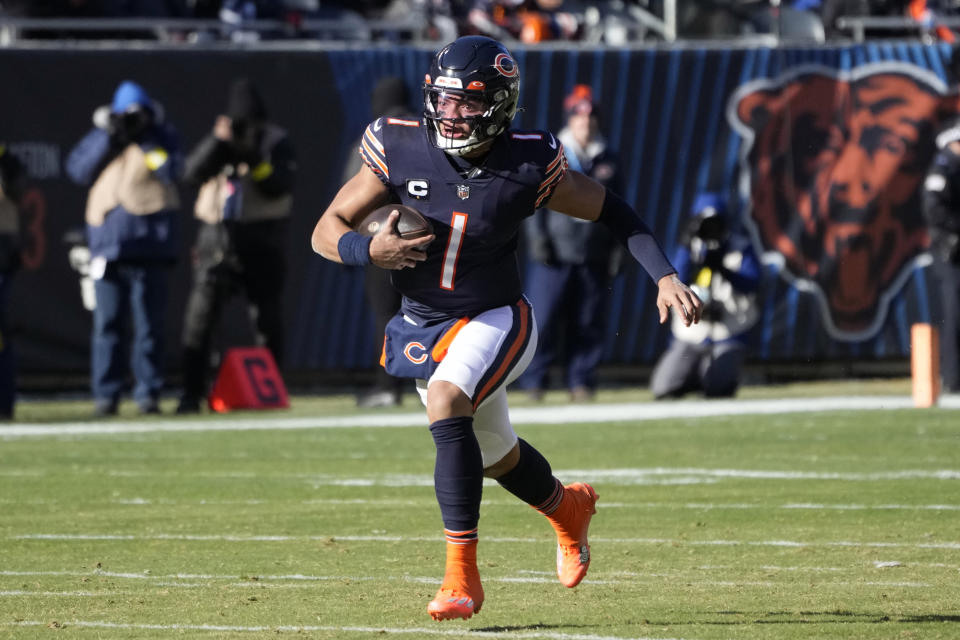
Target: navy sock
x=532 y=480
x=458 y=476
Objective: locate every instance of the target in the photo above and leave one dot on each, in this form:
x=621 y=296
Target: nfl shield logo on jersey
x=463 y=191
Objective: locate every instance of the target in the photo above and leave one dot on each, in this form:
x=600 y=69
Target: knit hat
x=580 y=100
x=244 y=101
x=130 y=94
x=708 y=203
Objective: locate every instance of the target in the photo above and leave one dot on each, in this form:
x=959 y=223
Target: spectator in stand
x=929 y=14
x=926 y=12
x=237 y=14
x=95 y=8
x=525 y=20
x=572 y=264
x=725 y=273
x=129 y=161
x=245 y=170
x=440 y=18
x=11 y=189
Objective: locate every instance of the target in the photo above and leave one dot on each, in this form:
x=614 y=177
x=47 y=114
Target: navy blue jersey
x=472 y=264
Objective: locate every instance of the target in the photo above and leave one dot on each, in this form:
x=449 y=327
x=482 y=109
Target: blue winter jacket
x=123 y=235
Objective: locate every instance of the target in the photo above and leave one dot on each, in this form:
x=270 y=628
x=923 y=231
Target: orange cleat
x=449 y=604
x=461 y=594
x=571 y=522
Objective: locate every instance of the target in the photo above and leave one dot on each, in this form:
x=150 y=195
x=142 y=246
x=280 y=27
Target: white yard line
x=568 y=414
x=298 y=581
x=384 y=502
x=522 y=574
x=619 y=477
x=61 y=594
x=422 y=632
x=73 y=537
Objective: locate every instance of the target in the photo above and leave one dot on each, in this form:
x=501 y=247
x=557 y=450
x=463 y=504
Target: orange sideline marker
x=925 y=364
x=248 y=379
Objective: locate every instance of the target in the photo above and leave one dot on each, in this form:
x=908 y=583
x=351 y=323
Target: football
x=412 y=223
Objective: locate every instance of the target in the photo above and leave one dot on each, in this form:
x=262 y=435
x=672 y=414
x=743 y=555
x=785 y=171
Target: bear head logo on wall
x=832 y=165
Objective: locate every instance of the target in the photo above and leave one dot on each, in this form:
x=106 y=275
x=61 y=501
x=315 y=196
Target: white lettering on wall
x=40 y=159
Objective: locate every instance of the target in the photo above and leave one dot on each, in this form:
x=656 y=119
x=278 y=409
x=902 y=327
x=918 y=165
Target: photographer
x=11 y=189
x=245 y=171
x=725 y=274
x=129 y=161
x=941 y=205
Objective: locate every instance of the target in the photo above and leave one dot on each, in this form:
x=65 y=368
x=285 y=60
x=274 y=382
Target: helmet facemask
x=471 y=69
x=493 y=116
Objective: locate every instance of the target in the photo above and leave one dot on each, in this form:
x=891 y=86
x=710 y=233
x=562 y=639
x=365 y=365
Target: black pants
x=245 y=259
x=948 y=276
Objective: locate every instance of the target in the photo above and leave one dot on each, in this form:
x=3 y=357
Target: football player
x=464 y=330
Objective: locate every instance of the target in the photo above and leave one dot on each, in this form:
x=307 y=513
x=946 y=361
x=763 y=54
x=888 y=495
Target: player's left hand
x=673 y=293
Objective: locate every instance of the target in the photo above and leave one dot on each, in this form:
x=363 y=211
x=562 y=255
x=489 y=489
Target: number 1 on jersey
x=457 y=225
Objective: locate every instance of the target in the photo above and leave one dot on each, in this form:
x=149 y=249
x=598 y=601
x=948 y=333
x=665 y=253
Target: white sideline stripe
x=354 y=538
x=570 y=414
x=421 y=631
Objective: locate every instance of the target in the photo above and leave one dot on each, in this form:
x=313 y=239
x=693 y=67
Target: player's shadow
x=753 y=617
x=529 y=627
x=928 y=618
x=810 y=617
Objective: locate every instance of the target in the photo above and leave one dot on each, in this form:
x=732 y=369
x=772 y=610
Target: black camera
x=129 y=126
x=709 y=228
x=705 y=236
x=246 y=138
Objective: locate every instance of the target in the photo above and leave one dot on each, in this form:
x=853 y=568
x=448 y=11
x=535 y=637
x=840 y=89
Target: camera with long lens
x=246 y=137
x=710 y=227
x=706 y=235
x=128 y=126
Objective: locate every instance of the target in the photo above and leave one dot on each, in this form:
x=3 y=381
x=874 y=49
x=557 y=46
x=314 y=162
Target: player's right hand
x=389 y=251
x=674 y=293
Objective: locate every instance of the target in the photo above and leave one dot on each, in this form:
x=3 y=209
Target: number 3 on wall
x=34 y=206
x=458 y=224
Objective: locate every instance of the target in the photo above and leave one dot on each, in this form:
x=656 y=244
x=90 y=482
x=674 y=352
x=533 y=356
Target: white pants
x=487 y=354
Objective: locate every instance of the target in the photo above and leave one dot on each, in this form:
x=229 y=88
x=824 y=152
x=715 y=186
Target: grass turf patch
x=815 y=525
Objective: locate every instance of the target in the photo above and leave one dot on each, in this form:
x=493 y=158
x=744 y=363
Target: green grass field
x=793 y=525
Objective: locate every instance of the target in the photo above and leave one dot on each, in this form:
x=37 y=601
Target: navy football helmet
x=481 y=72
